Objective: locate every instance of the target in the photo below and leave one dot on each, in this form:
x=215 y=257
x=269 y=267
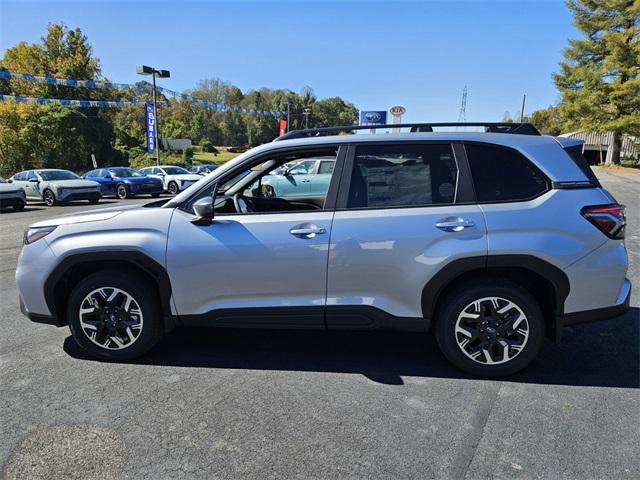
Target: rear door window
x=503 y=175
x=402 y=175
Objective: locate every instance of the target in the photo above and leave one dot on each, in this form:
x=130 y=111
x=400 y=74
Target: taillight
x=609 y=219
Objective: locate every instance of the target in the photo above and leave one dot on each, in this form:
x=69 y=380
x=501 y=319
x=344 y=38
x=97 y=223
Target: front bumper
x=12 y=201
x=37 y=318
x=587 y=316
x=70 y=196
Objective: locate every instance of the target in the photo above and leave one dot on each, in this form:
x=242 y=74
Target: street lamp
x=145 y=70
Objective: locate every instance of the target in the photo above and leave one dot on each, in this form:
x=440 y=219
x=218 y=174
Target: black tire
x=94 y=201
x=49 y=198
x=141 y=290
x=155 y=195
x=122 y=192
x=460 y=299
x=18 y=206
x=173 y=188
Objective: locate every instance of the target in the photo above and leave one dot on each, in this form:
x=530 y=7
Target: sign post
x=397 y=111
x=373 y=117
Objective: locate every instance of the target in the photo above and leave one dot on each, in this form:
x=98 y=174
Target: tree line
x=55 y=136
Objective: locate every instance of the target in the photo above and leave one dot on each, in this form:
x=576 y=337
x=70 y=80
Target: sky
x=376 y=54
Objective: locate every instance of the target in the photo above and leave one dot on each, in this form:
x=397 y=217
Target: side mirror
x=9 y=181
x=204 y=209
x=34 y=180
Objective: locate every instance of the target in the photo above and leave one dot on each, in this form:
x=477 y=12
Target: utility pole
x=145 y=70
x=306 y=112
x=288 y=114
x=524 y=99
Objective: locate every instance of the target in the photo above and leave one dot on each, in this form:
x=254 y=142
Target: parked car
x=492 y=241
x=124 y=182
x=174 y=179
x=53 y=186
x=11 y=196
x=308 y=177
x=203 y=169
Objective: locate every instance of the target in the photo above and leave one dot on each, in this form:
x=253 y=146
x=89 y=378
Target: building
x=596 y=146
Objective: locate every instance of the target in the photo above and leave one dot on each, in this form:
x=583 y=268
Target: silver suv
x=492 y=240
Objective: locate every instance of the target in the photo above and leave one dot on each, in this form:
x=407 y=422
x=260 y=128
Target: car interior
x=245 y=193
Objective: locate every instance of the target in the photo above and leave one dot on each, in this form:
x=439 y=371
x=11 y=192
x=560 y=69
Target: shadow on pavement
x=25 y=209
x=599 y=354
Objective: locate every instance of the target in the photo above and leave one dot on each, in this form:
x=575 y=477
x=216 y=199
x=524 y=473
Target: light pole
x=145 y=70
x=306 y=112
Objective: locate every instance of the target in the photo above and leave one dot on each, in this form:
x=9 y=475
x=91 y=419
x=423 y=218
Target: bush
x=187 y=155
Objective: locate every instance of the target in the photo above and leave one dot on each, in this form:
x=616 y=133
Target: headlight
x=36 y=233
x=62 y=191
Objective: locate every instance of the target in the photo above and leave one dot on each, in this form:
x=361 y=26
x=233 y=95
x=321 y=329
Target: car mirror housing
x=204 y=210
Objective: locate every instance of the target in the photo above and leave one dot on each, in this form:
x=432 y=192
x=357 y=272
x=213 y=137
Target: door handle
x=307 y=232
x=454 y=224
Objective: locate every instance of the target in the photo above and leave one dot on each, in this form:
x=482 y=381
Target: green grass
x=204 y=157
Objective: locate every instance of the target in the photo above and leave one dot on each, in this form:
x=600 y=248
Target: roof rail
x=492 y=127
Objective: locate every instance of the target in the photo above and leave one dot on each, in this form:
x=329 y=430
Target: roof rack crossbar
x=493 y=127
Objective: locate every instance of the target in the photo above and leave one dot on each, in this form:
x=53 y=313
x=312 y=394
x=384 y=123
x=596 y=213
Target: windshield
x=124 y=172
x=57 y=175
x=175 y=170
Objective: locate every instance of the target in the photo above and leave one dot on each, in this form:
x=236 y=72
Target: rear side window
x=503 y=175
x=577 y=156
x=326 y=167
x=402 y=175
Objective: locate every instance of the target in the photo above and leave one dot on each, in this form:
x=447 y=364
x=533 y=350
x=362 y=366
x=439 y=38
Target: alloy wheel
x=49 y=198
x=173 y=188
x=492 y=330
x=111 y=318
x=121 y=192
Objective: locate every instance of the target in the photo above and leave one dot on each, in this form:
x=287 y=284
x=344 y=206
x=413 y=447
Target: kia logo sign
x=373 y=117
x=397 y=110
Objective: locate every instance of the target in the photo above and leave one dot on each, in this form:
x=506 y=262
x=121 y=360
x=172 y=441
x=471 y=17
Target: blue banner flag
x=151 y=128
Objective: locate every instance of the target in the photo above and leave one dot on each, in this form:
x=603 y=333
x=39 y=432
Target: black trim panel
x=133 y=257
x=596 y=315
x=334 y=317
x=37 y=318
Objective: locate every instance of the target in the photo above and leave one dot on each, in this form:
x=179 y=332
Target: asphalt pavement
x=254 y=404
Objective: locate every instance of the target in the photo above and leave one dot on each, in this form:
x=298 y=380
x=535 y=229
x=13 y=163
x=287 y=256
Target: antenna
x=462 y=116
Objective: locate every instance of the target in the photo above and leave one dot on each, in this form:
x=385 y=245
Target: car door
x=297 y=182
x=403 y=212
x=32 y=185
x=104 y=179
x=319 y=181
x=19 y=180
x=255 y=269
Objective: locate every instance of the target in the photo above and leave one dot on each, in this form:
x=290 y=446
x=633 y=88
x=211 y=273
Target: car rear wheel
x=113 y=315
x=155 y=195
x=489 y=327
x=122 y=192
x=49 y=198
x=173 y=188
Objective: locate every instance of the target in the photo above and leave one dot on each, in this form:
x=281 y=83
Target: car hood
x=9 y=188
x=86 y=216
x=188 y=176
x=72 y=183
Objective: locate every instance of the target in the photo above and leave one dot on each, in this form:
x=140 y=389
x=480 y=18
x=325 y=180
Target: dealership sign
x=373 y=117
x=151 y=128
x=397 y=110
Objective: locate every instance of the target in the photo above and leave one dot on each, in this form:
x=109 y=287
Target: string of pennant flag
x=220 y=107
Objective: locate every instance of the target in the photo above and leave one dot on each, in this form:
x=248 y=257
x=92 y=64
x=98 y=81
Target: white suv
x=175 y=179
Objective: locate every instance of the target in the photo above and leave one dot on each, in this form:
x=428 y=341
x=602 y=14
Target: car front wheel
x=173 y=188
x=49 y=198
x=121 y=192
x=113 y=315
x=489 y=327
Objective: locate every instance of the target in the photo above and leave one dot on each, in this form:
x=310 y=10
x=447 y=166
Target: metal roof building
x=596 y=145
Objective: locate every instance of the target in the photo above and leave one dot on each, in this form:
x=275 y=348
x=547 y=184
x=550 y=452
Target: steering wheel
x=241 y=204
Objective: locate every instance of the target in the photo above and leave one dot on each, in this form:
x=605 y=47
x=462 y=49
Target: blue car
x=124 y=182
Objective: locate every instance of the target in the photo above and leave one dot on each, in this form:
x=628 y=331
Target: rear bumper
x=142 y=188
x=587 y=316
x=12 y=202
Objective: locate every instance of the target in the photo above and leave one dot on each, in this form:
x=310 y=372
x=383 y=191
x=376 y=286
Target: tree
x=547 y=121
x=599 y=78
